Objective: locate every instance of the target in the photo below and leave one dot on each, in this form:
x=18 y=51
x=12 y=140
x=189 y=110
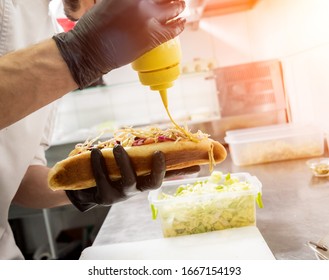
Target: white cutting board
x=244 y=243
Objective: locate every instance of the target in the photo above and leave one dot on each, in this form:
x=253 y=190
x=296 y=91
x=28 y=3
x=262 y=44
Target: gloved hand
x=116 y=32
x=108 y=192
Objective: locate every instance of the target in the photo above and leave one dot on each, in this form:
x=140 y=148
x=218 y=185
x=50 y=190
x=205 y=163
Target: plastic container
x=208 y=211
x=319 y=166
x=274 y=143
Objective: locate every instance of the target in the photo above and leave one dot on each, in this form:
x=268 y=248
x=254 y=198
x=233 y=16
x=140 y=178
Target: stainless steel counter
x=296 y=210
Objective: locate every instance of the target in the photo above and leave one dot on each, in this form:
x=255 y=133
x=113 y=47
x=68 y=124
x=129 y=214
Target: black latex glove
x=116 y=32
x=108 y=192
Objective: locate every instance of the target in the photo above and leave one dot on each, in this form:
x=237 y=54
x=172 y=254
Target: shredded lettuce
x=202 y=210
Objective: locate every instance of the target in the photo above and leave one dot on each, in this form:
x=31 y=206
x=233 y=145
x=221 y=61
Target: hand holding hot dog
x=108 y=192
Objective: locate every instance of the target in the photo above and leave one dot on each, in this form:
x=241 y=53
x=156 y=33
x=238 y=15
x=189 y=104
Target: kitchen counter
x=296 y=210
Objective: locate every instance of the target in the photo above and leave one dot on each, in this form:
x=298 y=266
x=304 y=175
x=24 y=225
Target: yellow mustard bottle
x=160 y=67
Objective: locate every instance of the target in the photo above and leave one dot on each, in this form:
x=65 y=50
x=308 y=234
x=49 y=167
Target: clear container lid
x=170 y=188
x=271 y=132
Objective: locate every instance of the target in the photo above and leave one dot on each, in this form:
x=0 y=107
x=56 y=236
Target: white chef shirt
x=22 y=22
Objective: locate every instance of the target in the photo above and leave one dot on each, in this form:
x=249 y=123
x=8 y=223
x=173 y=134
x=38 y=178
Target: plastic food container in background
x=274 y=143
x=198 y=205
x=319 y=166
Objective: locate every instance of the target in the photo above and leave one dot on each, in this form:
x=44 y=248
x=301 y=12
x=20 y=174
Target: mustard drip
x=164 y=98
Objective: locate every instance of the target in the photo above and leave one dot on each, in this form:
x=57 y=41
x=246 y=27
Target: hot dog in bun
x=181 y=149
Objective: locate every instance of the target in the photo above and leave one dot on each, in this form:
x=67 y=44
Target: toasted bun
x=75 y=172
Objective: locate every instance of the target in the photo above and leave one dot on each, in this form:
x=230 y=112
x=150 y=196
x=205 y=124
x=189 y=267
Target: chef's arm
x=30 y=79
x=108 y=36
x=35 y=193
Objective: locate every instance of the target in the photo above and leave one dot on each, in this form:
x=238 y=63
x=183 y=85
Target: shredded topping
x=212 y=161
x=128 y=137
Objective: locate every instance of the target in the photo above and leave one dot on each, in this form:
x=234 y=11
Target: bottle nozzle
x=164 y=98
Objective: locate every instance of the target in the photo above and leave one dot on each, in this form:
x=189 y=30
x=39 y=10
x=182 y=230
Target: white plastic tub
x=274 y=143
